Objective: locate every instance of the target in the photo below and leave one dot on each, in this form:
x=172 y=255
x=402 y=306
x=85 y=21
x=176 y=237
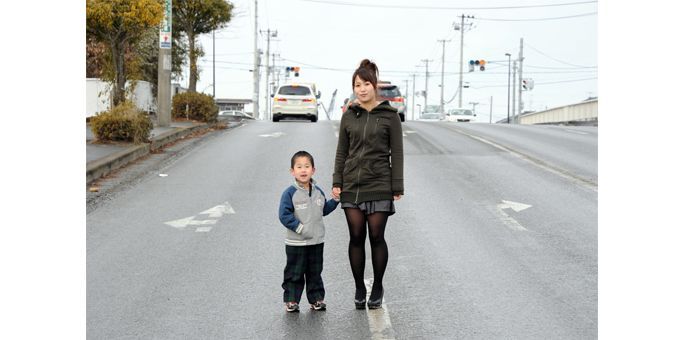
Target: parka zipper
x=363 y=148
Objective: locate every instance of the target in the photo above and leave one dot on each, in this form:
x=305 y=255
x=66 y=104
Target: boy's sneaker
x=292 y=307
x=319 y=305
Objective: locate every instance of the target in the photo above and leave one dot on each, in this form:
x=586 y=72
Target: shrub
x=196 y=106
x=124 y=122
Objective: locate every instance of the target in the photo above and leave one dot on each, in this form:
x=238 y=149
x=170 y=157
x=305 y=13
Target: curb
x=101 y=167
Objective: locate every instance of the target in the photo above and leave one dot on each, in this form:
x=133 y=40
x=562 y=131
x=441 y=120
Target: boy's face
x=302 y=170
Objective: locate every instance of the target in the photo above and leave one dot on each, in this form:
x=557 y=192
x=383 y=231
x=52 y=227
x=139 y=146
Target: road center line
x=378 y=319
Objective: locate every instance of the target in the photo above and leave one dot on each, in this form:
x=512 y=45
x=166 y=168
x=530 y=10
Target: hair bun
x=369 y=65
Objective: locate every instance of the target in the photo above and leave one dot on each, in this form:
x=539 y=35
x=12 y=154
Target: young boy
x=302 y=206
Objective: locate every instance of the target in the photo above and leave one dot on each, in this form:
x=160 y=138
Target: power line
x=544 y=83
x=540 y=19
x=557 y=60
x=343 y=3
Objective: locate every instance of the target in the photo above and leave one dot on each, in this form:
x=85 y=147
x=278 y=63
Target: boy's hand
x=397 y=197
x=336 y=192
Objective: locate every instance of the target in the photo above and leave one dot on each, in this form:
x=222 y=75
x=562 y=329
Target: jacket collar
x=297 y=185
x=382 y=106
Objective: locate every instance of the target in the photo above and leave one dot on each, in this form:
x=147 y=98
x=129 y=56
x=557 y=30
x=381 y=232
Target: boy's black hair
x=301 y=154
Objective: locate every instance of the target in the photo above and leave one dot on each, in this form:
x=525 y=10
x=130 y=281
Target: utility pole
x=270 y=34
x=509 y=62
x=521 y=61
x=441 y=98
x=427 y=75
x=413 y=102
x=406 y=98
x=213 y=64
x=165 y=66
x=491 y=109
x=514 y=88
x=277 y=72
x=460 y=70
x=256 y=72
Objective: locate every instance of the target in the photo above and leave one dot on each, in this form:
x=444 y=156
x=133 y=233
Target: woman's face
x=364 y=90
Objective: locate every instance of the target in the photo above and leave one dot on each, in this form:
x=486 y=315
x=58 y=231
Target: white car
x=460 y=115
x=235 y=114
x=430 y=116
x=298 y=100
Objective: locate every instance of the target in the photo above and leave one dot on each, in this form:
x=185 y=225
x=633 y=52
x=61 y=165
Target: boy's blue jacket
x=301 y=211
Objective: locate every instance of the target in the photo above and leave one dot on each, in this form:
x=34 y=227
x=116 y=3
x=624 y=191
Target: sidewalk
x=104 y=158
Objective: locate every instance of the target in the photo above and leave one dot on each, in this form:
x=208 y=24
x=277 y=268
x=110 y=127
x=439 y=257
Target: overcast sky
x=328 y=39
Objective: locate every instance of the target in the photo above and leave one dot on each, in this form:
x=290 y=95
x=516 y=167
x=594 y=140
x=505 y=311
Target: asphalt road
x=496 y=237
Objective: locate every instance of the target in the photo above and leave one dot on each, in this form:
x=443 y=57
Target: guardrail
x=584 y=113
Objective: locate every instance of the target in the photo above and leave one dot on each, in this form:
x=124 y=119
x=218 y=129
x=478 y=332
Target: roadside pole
x=165 y=66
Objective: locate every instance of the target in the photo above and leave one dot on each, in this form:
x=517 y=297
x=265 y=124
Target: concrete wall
x=584 y=112
x=98 y=96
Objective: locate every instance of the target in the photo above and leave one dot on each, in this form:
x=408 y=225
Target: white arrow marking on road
x=517 y=207
x=378 y=319
x=275 y=135
x=181 y=223
x=506 y=219
x=215 y=212
x=219 y=210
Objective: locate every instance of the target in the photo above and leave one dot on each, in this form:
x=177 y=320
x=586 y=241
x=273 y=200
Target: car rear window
x=389 y=92
x=294 y=91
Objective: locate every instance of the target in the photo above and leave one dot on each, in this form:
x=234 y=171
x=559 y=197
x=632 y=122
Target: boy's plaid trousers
x=304 y=263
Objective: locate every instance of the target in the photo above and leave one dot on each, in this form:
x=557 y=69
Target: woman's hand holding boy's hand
x=397 y=197
x=336 y=192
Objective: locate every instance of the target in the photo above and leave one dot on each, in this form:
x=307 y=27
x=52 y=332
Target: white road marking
x=379 y=319
x=219 y=210
x=163 y=175
x=274 y=135
x=409 y=131
x=517 y=207
x=506 y=219
x=576 y=131
x=215 y=213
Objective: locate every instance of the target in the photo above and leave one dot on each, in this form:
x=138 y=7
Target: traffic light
x=295 y=69
x=480 y=62
x=527 y=84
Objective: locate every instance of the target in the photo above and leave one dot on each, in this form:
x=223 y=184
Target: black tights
x=356 y=220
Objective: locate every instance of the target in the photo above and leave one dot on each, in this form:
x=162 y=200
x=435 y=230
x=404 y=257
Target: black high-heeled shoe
x=375 y=303
x=360 y=299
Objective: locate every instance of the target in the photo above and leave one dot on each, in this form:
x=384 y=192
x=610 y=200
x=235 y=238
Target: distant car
x=298 y=100
x=386 y=91
x=460 y=115
x=431 y=116
x=235 y=114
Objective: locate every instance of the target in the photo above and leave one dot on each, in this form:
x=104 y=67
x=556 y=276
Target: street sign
x=165 y=36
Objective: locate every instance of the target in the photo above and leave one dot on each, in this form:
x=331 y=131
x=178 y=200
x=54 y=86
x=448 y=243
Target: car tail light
x=280 y=99
x=306 y=100
x=398 y=99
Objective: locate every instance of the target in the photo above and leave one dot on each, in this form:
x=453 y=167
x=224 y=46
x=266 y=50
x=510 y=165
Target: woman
x=369 y=167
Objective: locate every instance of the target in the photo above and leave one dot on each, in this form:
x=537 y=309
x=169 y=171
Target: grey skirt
x=373 y=206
